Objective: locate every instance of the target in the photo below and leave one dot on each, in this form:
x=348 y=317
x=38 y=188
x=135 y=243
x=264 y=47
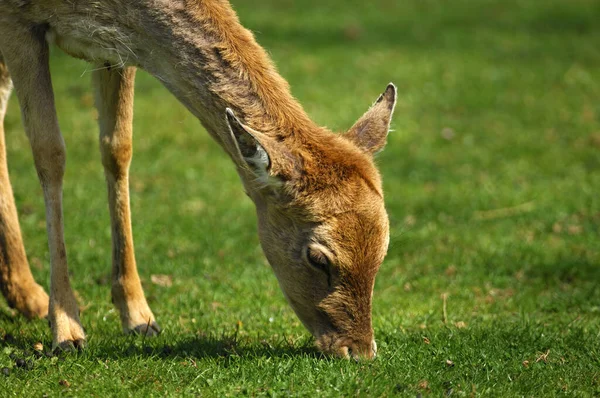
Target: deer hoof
x=70 y=346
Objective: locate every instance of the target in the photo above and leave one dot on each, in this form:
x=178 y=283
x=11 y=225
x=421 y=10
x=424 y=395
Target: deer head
x=322 y=221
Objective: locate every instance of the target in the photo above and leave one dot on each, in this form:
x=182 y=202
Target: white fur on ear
x=250 y=152
x=259 y=164
x=259 y=159
x=392 y=87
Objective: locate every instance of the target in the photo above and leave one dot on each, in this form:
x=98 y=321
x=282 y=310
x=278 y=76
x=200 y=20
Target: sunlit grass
x=491 y=177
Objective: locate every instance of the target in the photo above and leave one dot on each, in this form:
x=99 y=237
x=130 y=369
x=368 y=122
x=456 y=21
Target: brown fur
x=316 y=193
x=237 y=47
x=114 y=96
x=16 y=281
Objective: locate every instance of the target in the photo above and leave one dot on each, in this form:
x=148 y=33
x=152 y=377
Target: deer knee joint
x=50 y=159
x=116 y=155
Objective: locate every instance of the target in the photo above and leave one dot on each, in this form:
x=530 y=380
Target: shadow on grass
x=565 y=271
x=185 y=346
x=6 y=317
x=196 y=347
x=208 y=346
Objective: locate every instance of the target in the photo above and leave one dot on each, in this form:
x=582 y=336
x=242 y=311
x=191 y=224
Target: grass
x=491 y=177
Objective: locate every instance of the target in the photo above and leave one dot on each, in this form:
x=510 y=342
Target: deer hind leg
x=114 y=100
x=16 y=282
x=26 y=54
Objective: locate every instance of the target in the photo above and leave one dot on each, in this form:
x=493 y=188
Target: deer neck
x=210 y=62
x=198 y=50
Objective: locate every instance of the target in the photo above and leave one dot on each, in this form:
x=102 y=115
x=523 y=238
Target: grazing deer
x=321 y=217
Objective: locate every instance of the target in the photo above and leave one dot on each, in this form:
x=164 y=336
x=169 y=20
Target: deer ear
x=370 y=131
x=250 y=152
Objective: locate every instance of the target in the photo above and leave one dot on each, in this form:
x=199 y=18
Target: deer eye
x=320 y=258
x=317 y=259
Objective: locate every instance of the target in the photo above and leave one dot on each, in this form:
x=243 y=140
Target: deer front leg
x=16 y=282
x=26 y=54
x=114 y=100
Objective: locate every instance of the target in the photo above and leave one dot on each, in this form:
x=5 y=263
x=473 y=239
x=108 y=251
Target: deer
x=321 y=217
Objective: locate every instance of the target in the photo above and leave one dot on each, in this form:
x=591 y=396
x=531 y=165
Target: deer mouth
x=347 y=348
x=332 y=341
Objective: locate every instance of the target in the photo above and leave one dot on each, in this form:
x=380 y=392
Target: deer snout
x=359 y=351
x=342 y=346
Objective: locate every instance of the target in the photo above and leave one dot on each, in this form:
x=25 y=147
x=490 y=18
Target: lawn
x=491 y=177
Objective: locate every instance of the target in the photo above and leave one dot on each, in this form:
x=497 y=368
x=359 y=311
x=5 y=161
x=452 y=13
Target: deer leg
x=114 y=100
x=16 y=282
x=26 y=54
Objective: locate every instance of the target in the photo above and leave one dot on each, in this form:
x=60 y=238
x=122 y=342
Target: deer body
x=322 y=223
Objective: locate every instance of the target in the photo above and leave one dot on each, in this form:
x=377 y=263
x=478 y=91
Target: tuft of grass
x=491 y=177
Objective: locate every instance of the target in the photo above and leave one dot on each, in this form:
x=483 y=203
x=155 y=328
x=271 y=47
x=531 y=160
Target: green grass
x=491 y=177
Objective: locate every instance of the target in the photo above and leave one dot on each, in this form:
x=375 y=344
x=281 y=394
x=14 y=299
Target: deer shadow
x=203 y=346
x=224 y=346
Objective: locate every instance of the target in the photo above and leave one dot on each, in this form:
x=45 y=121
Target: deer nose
x=358 y=351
